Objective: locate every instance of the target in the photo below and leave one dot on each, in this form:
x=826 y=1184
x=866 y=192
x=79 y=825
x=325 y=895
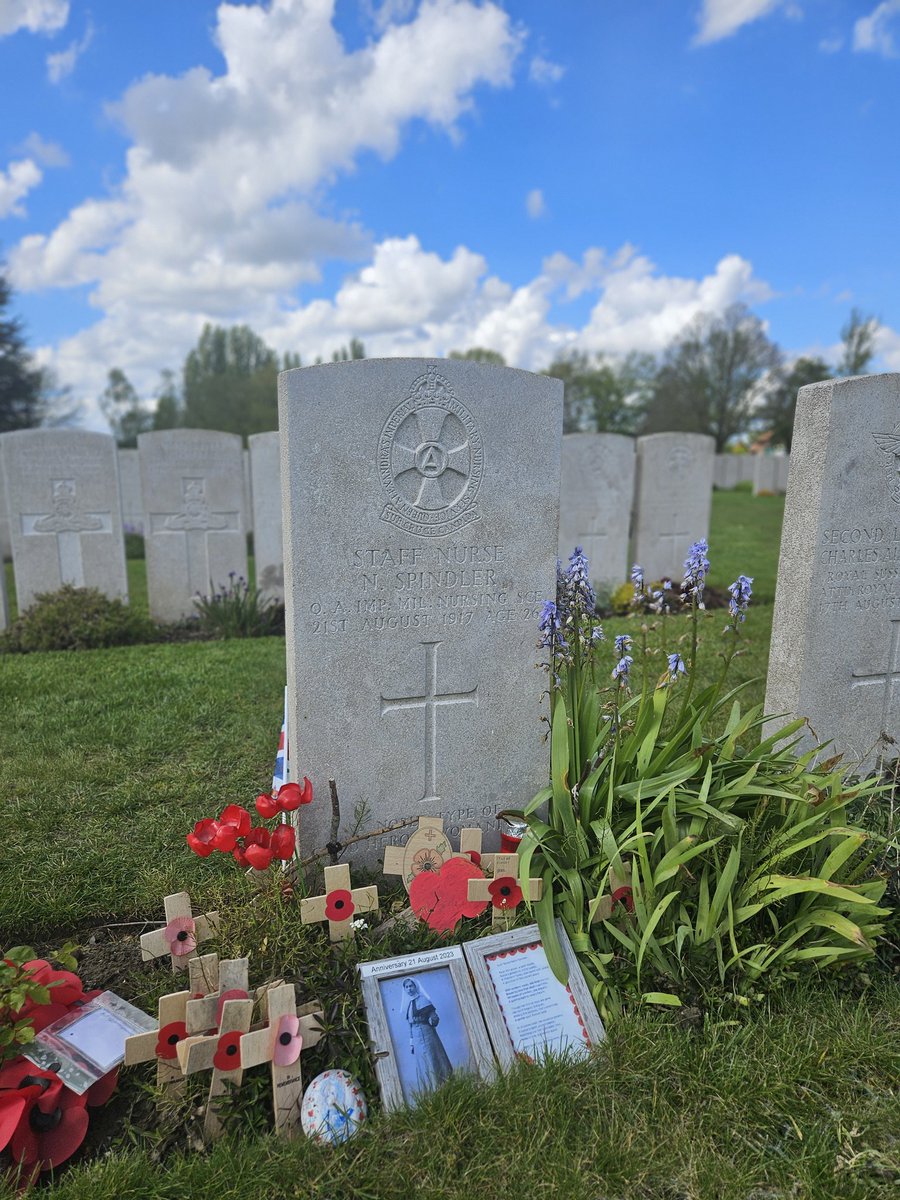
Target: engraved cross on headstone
x=195 y=522
x=887 y=679
x=430 y=701
x=68 y=524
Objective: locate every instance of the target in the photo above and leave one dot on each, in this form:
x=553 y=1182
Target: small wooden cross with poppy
x=426 y=850
x=340 y=904
x=504 y=891
x=161 y=1043
x=204 y=1013
x=287 y=1031
x=181 y=934
x=221 y=1053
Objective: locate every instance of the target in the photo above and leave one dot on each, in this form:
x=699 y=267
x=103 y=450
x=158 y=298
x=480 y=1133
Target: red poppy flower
x=257 y=848
x=339 y=905
x=505 y=892
x=201 y=840
x=52 y=1123
x=228 y=1052
x=267 y=806
x=283 y=842
x=238 y=817
x=180 y=933
x=624 y=895
x=225 y=839
x=65 y=987
x=440 y=898
x=98 y=1093
x=169 y=1037
x=288 y=1041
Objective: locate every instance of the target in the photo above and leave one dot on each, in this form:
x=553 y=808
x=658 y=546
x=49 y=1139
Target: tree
x=777 y=409
x=858 y=336
x=479 y=354
x=230 y=382
x=601 y=396
x=711 y=374
x=23 y=385
x=356 y=350
x=121 y=406
x=168 y=414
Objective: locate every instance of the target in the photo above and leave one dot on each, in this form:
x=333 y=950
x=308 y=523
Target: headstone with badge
x=596 y=495
x=421 y=501
x=673 y=499
x=62 y=493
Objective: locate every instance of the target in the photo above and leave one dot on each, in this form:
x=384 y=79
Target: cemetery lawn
x=107 y=758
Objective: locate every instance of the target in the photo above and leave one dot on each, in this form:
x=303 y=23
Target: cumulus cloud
x=62 y=64
x=37 y=16
x=875 y=32
x=48 y=154
x=722 y=18
x=887 y=346
x=544 y=72
x=15 y=183
x=535 y=205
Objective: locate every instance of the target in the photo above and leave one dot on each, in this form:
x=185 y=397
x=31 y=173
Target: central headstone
x=835 y=655
x=595 y=501
x=421 y=502
x=673 y=499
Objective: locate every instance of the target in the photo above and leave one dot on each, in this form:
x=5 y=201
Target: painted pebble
x=334 y=1107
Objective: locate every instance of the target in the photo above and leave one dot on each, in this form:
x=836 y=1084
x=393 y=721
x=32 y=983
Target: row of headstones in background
x=664 y=479
x=767 y=472
x=132 y=503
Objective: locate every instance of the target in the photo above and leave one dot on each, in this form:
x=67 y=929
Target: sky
x=530 y=176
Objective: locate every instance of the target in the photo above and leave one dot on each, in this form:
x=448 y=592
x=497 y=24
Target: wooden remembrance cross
x=180 y=930
x=288 y=1031
x=503 y=891
x=162 y=1043
x=219 y=1052
x=340 y=904
x=202 y=1013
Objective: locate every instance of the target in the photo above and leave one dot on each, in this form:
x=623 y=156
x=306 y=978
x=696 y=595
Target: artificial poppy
x=169 y=1037
x=288 y=1041
x=257 y=848
x=98 y=1093
x=267 y=806
x=65 y=986
x=51 y=1125
x=237 y=817
x=339 y=905
x=440 y=898
x=201 y=840
x=228 y=1052
x=290 y=797
x=181 y=936
x=505 y=892
x=624 y=895
x=284 y=839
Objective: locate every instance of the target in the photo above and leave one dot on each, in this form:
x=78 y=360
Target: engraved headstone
x=248 y=491
x=673 y=496
x=192 y=481
x=770 y=473
x=130 y=487
x=62 y=492
x=596 y=494
x=4 y=599
x=835 y=655
x=421 y=502
x=265 y=472
x=5 y=536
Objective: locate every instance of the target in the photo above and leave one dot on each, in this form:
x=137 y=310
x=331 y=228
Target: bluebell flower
x=622 y=644
x=622 y=667
x=578 y=579
x=740 y=592
x=550 y=626
x=637 y=577
x=696 y=567
x=676 y=667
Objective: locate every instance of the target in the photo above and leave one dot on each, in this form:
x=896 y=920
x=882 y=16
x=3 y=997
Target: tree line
x=722 y=376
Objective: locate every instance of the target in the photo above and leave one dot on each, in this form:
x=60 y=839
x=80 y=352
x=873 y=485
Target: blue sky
x=532 y=176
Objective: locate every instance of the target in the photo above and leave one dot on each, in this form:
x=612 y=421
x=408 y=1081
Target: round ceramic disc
x=427 y=850
x=333 y=1108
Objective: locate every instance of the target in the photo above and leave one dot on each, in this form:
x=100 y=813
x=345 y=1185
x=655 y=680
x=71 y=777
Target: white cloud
x=722 y=18
x=15 y=183
x=48 y=154
x=874 y=32
x=62 y=64
x=544 y=72
x=535 y=205
x=37 y=16
x=887 y=346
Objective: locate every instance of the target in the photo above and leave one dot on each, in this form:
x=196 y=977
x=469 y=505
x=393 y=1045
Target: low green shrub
x=239 y=610
x=75 y=619
x=134 y=543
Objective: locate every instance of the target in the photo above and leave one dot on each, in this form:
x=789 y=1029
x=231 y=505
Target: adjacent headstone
x=421 y=502
x=5 y=536
x=192 y=482
x=596 y=493
x=732 y=469
x=248 y=491
x=268 y=549
x=782 y=470
x=4 y=599
x=835 y=655
x=62 y=492
x=673 y=499
x=130 y=487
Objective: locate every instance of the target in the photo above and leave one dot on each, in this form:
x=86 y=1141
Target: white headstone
x=248 y=490
x=673 y=500
x=130 y=487
x=4 y=598
x=5 y=536
x=62 y=492
x=268 y=550
x=596 y=494
x=421 y=502
x=192 y=481
x=835 y=655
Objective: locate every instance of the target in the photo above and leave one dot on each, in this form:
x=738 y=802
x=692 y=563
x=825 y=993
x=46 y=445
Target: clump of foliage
x=682 y=852
x=75 y=619
x=238 y=610
x=24 y=988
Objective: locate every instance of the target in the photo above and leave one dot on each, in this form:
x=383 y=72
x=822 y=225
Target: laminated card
x=421 y=501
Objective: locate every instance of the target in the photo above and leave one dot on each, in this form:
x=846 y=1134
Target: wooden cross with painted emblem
x=340 y=904
x=181 y=934
x=504 y=891
x=288 y=1031
x=220 y=1053
x=426 y=850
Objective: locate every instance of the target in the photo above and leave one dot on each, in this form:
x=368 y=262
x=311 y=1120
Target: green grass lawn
x=107 y=759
